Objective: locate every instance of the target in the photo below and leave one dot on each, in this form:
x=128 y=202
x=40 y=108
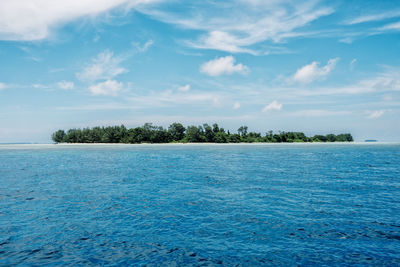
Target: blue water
x=200 y=205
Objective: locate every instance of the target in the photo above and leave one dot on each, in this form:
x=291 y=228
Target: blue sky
x=311 y=66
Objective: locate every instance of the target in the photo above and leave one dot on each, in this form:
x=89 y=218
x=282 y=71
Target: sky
x=313 y=66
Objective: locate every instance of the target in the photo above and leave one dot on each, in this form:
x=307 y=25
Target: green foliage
x=176 y=132
x=58 y=136
x=194 y=134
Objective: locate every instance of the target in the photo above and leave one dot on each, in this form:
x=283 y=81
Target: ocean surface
x=200 y=205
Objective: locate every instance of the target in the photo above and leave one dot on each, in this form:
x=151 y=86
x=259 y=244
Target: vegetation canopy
x=177 y=133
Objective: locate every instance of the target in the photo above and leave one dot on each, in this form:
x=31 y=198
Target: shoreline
x=71 y=145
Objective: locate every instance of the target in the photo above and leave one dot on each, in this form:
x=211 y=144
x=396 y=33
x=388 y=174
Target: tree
x=319 y=138
x=242 y=131
x=193 y=134
x=234 y=138
x=176 y=131
x=209 y=134
x=220 y=137
x=215 y=128
x=331 y=137
x=58 y=136
x=159 y=135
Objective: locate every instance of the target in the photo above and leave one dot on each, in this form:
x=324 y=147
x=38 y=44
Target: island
x=177 y=133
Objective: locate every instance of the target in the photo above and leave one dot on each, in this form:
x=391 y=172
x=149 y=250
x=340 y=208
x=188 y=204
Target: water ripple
x=200 y=205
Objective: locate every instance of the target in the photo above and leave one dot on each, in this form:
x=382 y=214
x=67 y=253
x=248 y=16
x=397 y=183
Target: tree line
x=177 y=133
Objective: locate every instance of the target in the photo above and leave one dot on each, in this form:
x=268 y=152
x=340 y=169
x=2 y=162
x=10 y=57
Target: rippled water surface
x=200 y=205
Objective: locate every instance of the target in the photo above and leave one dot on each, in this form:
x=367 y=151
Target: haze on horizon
x=313 y=66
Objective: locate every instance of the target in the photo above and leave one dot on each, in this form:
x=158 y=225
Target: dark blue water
x=200 y=205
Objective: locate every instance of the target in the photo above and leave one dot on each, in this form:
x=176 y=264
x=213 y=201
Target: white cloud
x=236 y=105
x=235 y=26
x=146 y=46
x=184 y=88
x=318 y=113
x=2 y=86
x=108 y=88
x=102 y=106
x=40 y=86
x=223 y=65
x=375 y=114
x=219 y=40
x=374 y=17
x=347 y=40
x=104 y=66
x=274 y=105
x=312 y=72
x=27 y=20
x=384 y=82
x=352 y=63
x=391 y=26
x=65 y=85
x=143 y=47
x=170 y=98
x=388 y=81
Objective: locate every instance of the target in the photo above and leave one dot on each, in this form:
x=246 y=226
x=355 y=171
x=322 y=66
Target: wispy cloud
x=28 y=20
x=170 y=98
x=259 y=21
x=223 y=65
x=318 y=113
x=312 y=71
x=388 y=81
x=352 y=63
x=107 y=88
x=96 y=107
x=40 y=86
x=2 y=86
x=274 y=105
x=374 y=17
x=236 y=105
x=143 y=47
x=66 y=85
x=104 y=66
x=391 y=26
x=347 y=40
x=375 y=114
x=184 y=88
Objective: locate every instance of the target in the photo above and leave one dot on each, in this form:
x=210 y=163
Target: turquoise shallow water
x=200 y=205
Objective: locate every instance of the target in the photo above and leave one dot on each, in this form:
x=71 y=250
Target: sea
x=200 y=205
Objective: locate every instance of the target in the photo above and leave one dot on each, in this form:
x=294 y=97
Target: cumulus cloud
x=274 y=105
x=375 y=114
x=65 y=85
x=236 y=105
x=107 y=88
x=312 y=72
x=28 y=20
x=184 y=88
x=223 y=65
x=104 y=66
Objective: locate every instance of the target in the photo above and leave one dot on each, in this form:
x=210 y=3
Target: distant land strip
x=177 y=133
